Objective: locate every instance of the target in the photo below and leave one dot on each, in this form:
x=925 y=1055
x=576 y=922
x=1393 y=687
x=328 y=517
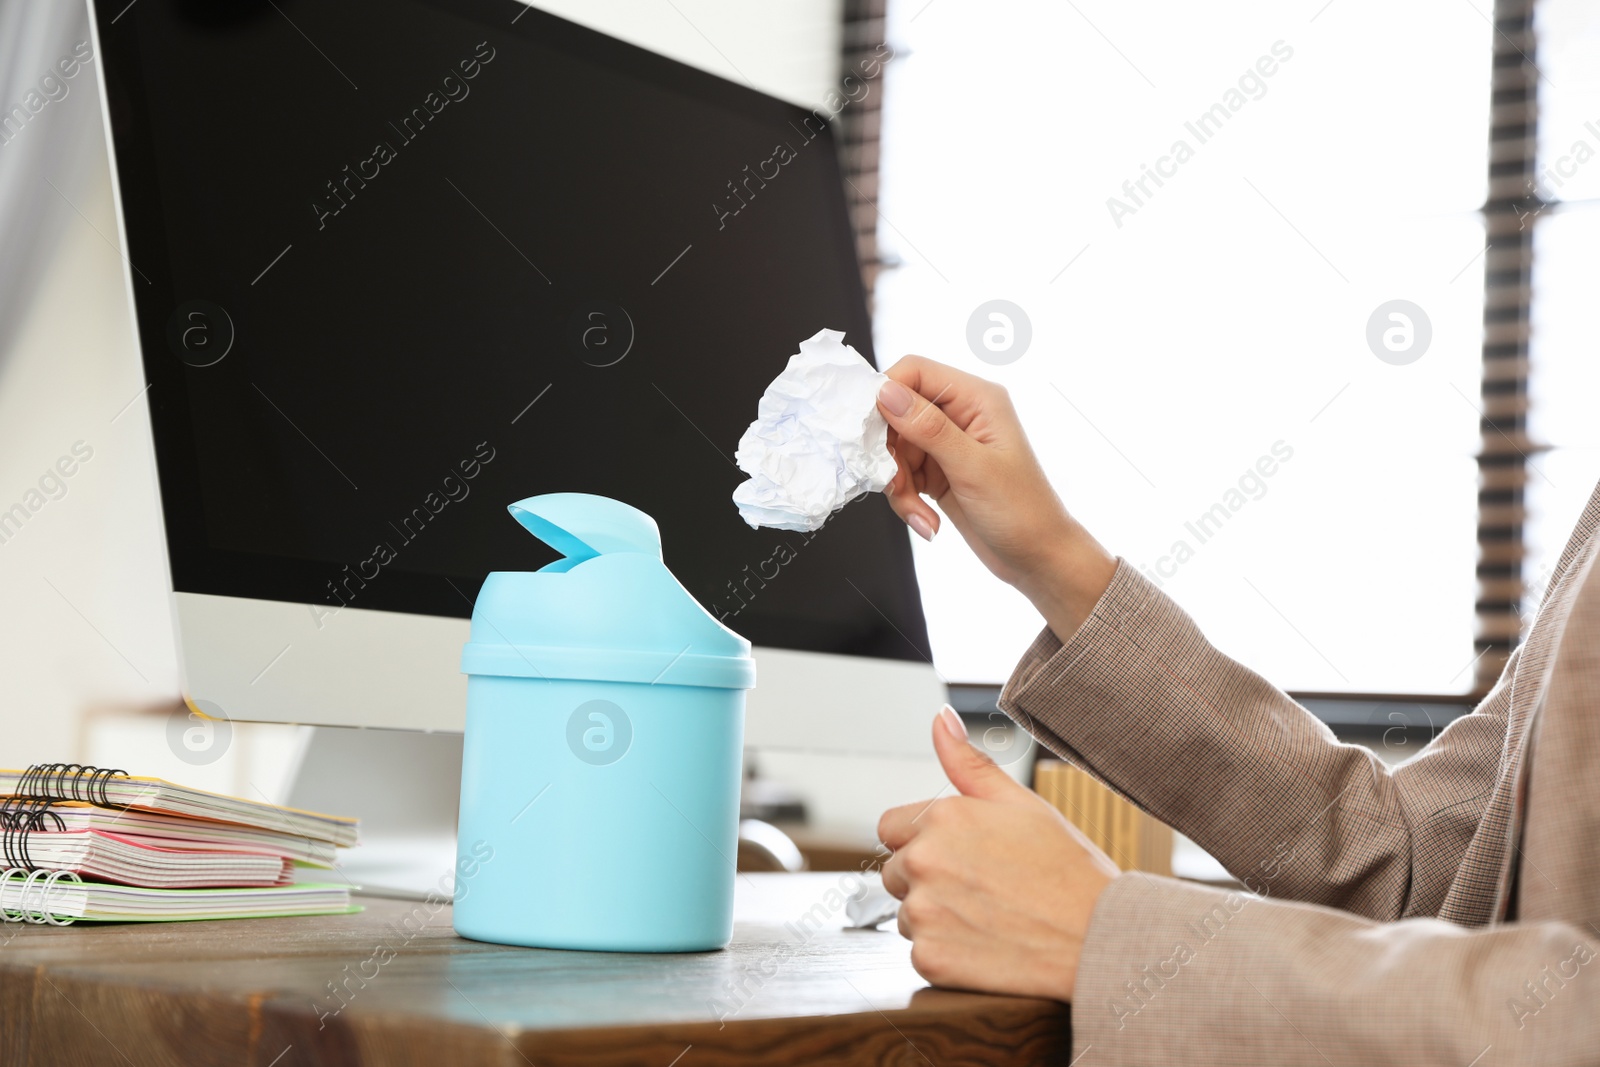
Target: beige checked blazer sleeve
x=1357 y=943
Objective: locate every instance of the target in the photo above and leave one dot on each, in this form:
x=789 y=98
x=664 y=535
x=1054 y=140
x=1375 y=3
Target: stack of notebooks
x=88 y=843
x=1134 y=840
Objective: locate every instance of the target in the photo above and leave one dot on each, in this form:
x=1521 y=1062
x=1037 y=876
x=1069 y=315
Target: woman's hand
x=956 y=439
x=996 y=888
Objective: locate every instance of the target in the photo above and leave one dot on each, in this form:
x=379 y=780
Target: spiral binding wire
x=15 y=826
x=68 y=781
x=39 y=912
x=28 y=811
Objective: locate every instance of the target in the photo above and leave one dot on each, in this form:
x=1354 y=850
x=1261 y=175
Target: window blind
x=1503 y=458
x=858 y=125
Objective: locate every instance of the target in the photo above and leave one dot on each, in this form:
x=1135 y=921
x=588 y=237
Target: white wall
x=88 y=667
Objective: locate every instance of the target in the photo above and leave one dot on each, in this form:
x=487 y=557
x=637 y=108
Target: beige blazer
x=1445 y=910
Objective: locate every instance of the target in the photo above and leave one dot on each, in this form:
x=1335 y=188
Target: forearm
x=1179 y=973
x=1065 y=577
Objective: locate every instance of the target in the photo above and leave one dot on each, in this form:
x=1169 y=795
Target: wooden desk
x=251 y=994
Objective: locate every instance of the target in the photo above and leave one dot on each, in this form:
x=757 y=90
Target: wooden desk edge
x=281 y=1029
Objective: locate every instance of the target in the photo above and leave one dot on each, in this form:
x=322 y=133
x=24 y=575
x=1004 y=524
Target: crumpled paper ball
x=818 y=441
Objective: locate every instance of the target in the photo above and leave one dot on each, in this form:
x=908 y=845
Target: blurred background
x=1322 y=271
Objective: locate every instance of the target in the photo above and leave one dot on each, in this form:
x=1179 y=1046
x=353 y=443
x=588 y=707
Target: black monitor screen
x=398 y=263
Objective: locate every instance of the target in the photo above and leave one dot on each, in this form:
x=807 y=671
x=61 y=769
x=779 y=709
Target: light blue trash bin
x=605 y=729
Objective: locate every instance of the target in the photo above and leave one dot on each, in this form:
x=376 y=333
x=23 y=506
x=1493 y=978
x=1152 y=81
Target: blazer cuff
x=1035 y=693
x=1132 y=994
x=1135 y=923
x=1171 y=972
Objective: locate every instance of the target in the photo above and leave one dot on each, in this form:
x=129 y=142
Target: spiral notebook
x=178 y=831
x=62 y=899
x=109 y=857
x=96 y=844
x=117 y=789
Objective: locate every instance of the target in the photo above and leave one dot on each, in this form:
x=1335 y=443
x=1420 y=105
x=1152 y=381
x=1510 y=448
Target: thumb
x=924 y=425
x=969 y=768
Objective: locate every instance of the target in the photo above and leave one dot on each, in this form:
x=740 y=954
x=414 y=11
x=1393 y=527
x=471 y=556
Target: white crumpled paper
x=818 y=441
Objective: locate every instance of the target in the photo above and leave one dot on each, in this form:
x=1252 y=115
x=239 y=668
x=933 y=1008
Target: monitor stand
x=405 y=787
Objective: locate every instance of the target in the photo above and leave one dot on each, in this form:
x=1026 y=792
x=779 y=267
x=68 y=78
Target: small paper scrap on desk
x=870 y=908
x=818 y=441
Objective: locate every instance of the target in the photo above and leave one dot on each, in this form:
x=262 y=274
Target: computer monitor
x=397 y=263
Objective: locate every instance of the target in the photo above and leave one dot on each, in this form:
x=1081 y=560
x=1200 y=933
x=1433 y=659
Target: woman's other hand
x=996 y=887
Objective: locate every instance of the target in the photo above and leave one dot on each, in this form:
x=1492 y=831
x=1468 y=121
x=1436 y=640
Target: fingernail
x=952 y=722
x=895 y=398
x=920 y=524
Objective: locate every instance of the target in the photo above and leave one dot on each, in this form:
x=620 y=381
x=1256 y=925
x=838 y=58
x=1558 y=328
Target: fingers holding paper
x=964 y=398
x=929 y=408
x=957 y=441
